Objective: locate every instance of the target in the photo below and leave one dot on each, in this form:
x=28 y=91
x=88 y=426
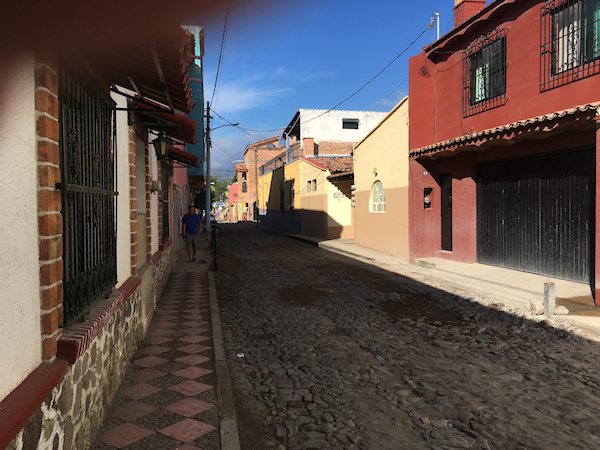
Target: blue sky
x=309 y=54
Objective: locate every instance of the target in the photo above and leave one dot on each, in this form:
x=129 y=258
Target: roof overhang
x=178 y=154
x=155 y=69
x=293 y=125
x=541 y=127
x=341 y=177
x=175 y=125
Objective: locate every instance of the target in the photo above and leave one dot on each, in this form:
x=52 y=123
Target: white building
x=331 y=127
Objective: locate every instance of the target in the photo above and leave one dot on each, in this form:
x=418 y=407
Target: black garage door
x=536 y=214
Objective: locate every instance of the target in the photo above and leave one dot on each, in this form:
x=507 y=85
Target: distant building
x=255 y=155
x=300 y=198
x=332 y=132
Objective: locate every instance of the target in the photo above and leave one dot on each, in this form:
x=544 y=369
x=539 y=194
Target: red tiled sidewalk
x=168 y=399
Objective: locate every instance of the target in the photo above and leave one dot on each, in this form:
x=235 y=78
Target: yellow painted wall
x=386 y=150
x=313 y=221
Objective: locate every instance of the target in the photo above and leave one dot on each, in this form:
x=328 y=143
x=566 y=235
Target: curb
x=230 y=438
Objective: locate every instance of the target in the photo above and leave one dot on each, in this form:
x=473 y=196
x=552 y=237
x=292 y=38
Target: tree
x=219 y=188
x=234 y=179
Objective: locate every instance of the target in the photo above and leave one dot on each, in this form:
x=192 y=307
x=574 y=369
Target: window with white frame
x=377 y=203
x=308 y=186
x=314 y=183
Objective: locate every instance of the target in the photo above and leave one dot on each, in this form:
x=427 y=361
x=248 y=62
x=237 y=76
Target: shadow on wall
x=285 y=215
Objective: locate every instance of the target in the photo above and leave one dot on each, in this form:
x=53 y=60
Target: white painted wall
x=123 y=212
x=328 y=127
x=153 y=198
x=20 y=332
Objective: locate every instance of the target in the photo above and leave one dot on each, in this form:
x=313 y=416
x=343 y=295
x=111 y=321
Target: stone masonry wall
x=72 y=414
x=162 y=270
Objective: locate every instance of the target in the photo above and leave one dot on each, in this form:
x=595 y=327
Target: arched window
x=244 y=176
x=377 y=203
x=244 y=187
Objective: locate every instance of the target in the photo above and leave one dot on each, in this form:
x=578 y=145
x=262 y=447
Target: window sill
x=77 y=338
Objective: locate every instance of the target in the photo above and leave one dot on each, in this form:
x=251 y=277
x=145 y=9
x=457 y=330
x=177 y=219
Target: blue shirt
x=191 y=223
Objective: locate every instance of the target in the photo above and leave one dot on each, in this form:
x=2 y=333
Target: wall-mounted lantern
x=161 y=145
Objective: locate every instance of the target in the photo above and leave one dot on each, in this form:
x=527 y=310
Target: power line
x=220 y=54
x=395 y=89
x=347 y=98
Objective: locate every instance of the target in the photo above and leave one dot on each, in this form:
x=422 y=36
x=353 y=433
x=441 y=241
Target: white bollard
x=549 y=299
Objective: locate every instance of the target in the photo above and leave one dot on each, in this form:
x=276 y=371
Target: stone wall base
x=70 y=417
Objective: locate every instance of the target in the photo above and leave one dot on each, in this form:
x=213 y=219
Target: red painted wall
x=436 y=90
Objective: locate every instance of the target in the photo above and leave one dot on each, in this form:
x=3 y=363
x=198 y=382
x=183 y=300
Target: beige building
x=381 y=180
x=299 y=197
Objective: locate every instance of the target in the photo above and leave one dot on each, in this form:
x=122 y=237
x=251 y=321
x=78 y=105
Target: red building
x=505 y=139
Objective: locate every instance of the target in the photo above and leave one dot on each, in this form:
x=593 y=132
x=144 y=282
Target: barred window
x=484 y=73
x=377 y=203
x=88 y=189
x=570 y=47
x=244 y=187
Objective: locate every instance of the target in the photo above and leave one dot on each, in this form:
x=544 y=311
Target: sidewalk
x=168 y=400
x=509 y=288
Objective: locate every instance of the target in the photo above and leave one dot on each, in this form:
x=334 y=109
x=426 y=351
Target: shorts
x=192 y=240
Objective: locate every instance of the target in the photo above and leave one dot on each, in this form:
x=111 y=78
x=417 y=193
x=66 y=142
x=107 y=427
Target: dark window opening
x=350 y=124
x=484 y=73
x=244 y=187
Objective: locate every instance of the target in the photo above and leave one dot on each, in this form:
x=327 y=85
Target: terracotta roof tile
x=492 y=133
x=335 y=164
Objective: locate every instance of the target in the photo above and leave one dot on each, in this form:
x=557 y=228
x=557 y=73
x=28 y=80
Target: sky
x=287 y=55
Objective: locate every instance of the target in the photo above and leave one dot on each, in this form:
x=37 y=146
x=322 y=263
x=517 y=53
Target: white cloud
x=245 y=94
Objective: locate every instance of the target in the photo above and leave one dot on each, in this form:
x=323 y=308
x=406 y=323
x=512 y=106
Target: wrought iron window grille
x=569 y=41
x=88 y=189
x=166 y=174
x=484 y=73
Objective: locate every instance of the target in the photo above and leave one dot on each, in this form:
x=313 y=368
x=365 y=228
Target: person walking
x=189 y=231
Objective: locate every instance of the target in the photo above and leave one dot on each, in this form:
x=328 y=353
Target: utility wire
x=220 y=54
x=350 y=96
x=395 y=89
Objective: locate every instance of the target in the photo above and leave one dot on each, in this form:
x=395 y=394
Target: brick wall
x=49 y=203
x=465 y=9
x=333 y=148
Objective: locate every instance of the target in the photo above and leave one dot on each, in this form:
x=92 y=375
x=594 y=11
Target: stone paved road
x=334 y=353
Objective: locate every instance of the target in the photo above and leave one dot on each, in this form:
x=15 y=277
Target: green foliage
x=234 y=179
x=219 y=190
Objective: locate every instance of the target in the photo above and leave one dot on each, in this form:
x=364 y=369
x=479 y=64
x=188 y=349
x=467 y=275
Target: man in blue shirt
x=189 y=231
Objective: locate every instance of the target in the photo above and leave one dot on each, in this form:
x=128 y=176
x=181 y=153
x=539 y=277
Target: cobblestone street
x=329 y=352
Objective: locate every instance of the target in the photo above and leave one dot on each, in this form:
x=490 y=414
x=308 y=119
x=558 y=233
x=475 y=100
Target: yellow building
x=381 y=180
x=299 y=198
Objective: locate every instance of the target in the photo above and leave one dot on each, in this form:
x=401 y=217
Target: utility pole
x=207 y=182
x=256 y=186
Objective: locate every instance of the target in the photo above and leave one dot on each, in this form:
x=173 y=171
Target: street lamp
x=208 y=144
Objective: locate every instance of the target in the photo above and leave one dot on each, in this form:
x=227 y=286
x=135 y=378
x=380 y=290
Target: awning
x=576 y=118
x=177 y=153
x=177 y=125
x=156 y=70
